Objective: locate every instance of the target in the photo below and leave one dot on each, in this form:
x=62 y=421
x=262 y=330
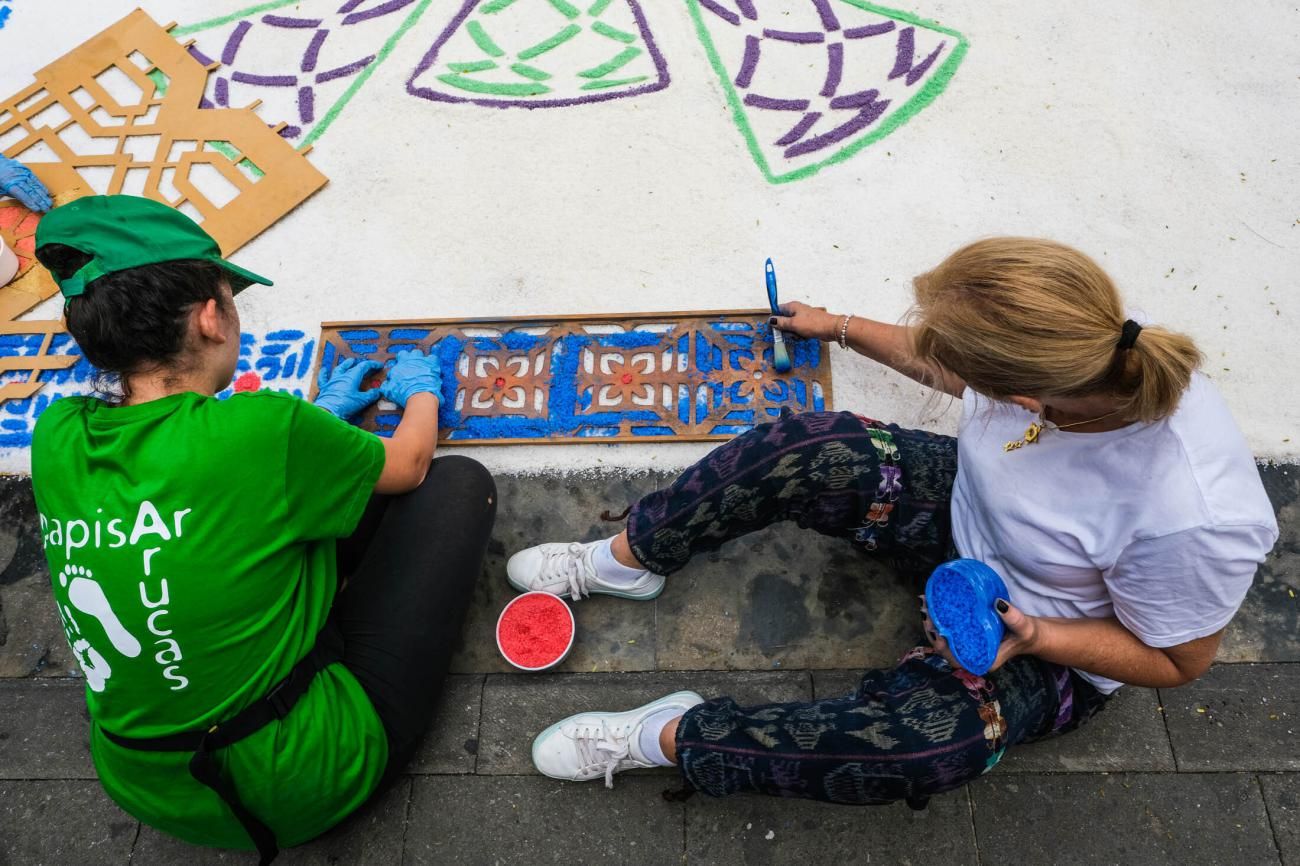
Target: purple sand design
x=831 y=122
x=870 y=109
x=329 y=27
x=541 y=94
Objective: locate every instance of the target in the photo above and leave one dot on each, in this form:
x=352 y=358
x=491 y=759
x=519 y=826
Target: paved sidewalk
x=1209 y=773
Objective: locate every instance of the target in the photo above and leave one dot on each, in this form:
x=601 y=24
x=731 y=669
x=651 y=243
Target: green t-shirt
x=191 y=551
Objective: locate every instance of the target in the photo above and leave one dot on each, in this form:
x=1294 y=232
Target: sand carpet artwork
x=305 y=59
x=644 y=377
x=541 y=54
x=812 y=82
x=120 y=114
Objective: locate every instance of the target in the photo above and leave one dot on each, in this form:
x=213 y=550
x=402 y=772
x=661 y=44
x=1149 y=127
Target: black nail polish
x=772 y=320
x=1003 y=607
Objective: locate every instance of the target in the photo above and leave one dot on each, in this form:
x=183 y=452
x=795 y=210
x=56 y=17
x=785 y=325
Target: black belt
x=327 y=650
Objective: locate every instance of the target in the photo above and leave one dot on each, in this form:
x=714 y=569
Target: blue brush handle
x=771 y=288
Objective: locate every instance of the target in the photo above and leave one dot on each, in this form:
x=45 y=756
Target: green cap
x=127 y=231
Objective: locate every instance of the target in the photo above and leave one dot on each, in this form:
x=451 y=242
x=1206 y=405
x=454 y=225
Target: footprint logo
x=87 y=597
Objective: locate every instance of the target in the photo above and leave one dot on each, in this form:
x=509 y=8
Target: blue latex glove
x=411 y=372
x=339 y=392
x=18 y=181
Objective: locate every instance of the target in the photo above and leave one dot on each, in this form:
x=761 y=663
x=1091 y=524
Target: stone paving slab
x=21 y=553
x=613 y=634
x=1129 y=734
x=517 y=708
x=372 y=836
x=31 y=636
x=44 y=730
x=62 y=823
x=491 y=821
x=835 y=684
x=451 y=745
x=757 y=831
x=785 y=598
x=726 y=611
x=778 y=601
x=1282 y=797
x=1151 y=819
x=1237 y=717
x=1267 y=629
x=32 y=642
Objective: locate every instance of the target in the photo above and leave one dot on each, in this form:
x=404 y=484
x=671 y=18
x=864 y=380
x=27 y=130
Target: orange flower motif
x=624 y=382
x=497 y=380
x=755 y=373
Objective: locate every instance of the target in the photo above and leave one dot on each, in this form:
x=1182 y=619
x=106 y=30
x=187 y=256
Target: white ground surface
x=1161 y=137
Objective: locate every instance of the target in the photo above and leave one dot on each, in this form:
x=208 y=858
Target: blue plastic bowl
x=960 y=596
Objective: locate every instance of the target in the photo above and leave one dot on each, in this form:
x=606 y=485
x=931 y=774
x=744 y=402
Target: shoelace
x=602 y=749
x=567 y=565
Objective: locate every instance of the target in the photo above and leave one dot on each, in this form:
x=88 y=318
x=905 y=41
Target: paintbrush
x=780 y=355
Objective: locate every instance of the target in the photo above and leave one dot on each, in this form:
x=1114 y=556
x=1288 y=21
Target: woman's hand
x=1022 y=637
x=1023 y=633
x=940 y=644
x=339 y=392
x=412 y=372
x=813 y=323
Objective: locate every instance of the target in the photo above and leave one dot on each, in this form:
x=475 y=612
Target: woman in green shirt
x=264 y=598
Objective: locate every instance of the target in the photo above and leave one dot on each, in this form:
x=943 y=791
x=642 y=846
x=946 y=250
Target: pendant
x=1030 y=437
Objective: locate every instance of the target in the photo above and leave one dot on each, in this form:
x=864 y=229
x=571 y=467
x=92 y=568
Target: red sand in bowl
x=535 y=630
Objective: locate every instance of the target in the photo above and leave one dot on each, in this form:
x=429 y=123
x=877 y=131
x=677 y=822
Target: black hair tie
x=1129 y=335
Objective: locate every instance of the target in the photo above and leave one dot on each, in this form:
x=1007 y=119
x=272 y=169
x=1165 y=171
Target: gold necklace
x=1035 y=429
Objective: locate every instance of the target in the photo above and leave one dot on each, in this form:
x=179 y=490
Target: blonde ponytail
x=1156 y=372
x=1030 y=317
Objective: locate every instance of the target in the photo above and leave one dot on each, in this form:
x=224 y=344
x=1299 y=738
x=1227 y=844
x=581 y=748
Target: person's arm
x=1106 y=648
x=408 y=451
x=1172 y=595
x=881 y=342
x=414 y=382
x=1099 y=646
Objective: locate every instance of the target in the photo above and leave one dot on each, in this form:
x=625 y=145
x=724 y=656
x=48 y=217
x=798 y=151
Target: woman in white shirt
x=1095 y=470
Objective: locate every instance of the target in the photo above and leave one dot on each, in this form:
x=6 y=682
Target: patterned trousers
x=905 y=733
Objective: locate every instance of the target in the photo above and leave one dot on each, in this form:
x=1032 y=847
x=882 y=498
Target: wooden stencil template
x=121 y=114
x=640 y=377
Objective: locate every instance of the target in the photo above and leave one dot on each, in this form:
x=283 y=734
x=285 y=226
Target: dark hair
x=136 y=319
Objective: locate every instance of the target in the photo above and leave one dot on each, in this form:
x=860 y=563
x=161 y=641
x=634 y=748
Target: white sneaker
x=567 y=571
x=587 y=746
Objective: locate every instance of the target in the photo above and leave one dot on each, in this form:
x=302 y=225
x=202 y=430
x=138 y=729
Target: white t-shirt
x=1160 y=525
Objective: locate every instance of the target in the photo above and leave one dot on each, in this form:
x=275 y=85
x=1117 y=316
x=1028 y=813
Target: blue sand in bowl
x=960 y=596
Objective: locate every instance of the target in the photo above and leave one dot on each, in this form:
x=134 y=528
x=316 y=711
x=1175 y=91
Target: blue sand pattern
x=726 y=386
x=959 y=597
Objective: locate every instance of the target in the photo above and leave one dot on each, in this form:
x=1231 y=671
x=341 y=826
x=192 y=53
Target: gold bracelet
x=844 y=332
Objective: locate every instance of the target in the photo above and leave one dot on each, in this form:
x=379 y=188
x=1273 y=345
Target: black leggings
x=410 y=568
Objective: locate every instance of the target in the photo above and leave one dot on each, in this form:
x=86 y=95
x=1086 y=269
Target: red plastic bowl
x=535 y=631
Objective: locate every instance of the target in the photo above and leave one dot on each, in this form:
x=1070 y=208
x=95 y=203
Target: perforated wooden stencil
x=641 y=377
x=120 y=114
